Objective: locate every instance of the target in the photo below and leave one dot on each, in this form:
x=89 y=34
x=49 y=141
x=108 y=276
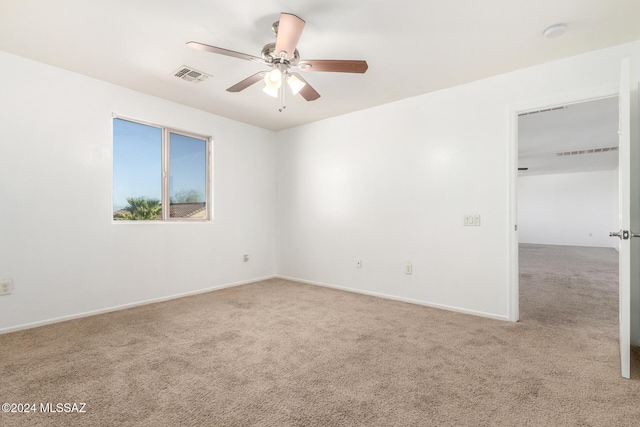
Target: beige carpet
x=278 y=353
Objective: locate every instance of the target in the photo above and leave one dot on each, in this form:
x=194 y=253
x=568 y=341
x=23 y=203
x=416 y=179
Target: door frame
x=586 y=95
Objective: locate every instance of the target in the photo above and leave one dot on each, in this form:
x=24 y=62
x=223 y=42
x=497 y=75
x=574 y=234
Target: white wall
x=57 y=240
x=392 y=183
x=575 y=209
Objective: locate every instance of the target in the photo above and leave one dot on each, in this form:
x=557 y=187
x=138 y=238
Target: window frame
x=165 y=174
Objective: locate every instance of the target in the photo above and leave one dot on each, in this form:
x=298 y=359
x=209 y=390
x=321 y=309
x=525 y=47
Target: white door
x=624 y=234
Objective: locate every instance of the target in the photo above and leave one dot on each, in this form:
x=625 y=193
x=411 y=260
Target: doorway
x=567 y=189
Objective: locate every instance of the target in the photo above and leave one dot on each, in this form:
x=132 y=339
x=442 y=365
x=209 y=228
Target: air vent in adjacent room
x=589 y=151
x=191 y=75
x=564 y=107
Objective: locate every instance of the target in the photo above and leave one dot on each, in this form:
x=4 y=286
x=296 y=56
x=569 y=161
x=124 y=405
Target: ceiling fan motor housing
x=269 y=55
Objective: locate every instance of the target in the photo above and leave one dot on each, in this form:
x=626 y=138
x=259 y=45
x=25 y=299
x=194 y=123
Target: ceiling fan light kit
x=283 y=57
x=295 y=84
x=272 y=80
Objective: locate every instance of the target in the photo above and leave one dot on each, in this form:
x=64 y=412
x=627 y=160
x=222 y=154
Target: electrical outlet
x=6 y=287
x=245 y=258
x=408 y=268
x=358 y=263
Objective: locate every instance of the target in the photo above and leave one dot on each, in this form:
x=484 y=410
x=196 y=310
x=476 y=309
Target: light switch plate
x=471 y=220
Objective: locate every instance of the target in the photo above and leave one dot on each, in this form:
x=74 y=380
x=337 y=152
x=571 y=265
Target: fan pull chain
x=282 y=92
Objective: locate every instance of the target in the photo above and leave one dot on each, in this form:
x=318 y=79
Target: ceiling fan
x=283 y=57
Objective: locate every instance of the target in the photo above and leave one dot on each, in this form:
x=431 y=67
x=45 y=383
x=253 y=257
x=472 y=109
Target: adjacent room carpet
x=279 y=353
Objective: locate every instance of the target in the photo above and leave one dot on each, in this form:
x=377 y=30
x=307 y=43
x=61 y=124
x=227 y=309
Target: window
x=155 y=167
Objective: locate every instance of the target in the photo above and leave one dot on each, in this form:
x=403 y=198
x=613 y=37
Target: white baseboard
x=126 y=306
x=397 y=298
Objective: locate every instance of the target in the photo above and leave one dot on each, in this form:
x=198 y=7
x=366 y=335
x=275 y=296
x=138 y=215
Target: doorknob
x=623 y=234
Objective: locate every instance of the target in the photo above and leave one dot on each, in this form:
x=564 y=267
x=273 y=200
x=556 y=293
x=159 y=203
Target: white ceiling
x=412 y=46
x=576 y=128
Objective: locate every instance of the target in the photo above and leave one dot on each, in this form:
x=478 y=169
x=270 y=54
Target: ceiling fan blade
x=336 y=66
x=307 y=91
x=227 y=52
x=289 y=30
x=247 y=82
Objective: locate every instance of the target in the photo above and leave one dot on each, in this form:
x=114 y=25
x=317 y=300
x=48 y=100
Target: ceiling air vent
x=564 y=107
x=191 y=75
x=589 y=151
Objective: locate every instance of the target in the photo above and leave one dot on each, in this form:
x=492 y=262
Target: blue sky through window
x=137 y=162
x=188 y=165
